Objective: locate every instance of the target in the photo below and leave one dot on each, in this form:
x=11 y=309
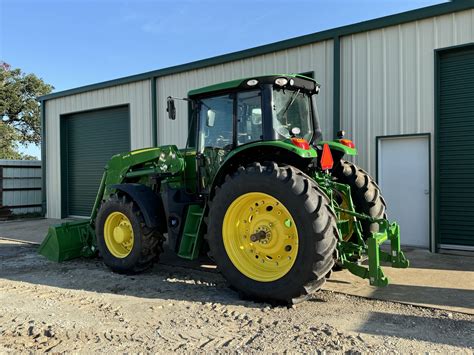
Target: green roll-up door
x=91 y=139
x=455 y=150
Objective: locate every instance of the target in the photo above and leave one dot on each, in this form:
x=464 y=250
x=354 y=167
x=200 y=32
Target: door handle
x=427 y=192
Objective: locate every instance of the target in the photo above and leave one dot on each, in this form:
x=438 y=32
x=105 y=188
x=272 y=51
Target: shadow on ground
x=20 y=262
x=175 y=278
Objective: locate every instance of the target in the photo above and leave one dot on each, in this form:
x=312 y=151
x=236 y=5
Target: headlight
x=252 y=82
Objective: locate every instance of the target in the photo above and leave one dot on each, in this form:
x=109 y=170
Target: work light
x=281 y=81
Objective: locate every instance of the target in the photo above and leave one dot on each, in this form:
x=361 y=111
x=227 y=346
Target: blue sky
x=70 y=43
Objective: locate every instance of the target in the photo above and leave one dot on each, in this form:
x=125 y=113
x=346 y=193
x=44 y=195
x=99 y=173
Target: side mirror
x=170 y=108
x=211 y=118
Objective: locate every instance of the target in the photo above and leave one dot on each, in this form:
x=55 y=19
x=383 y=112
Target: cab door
x=226 y=122
x=215 y=136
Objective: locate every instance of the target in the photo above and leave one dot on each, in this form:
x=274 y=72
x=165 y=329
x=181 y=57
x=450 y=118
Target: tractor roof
x=301 y=81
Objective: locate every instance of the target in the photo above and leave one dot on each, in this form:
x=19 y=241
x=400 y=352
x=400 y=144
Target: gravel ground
x=80 y=306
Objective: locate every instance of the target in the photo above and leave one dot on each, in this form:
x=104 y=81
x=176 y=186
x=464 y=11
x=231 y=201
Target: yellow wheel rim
x=118 y=234
x=260 y=237
x=344 y=204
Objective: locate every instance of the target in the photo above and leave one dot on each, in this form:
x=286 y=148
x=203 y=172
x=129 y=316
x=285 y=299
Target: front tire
x=272 y=233
x=125 y=243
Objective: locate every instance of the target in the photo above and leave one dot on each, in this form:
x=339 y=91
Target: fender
x=148 y=201
x=279 y=151
x=336 y=145
x=285 y=144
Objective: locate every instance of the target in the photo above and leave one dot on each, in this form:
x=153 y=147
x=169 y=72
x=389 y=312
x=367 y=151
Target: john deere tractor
x=257 y=189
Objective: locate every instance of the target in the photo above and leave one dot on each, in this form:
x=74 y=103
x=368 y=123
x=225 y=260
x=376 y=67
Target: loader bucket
x=68 y=241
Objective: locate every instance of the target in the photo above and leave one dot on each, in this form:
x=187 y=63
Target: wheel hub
x=260 y=236
x=122 y=233
x=263 y=234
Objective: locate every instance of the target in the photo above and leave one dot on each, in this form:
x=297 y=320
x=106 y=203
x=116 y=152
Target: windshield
x=292 y=109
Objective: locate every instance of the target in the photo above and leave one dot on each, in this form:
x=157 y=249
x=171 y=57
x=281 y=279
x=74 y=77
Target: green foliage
x=19 y=110
x=7 y=136
x=8 y=144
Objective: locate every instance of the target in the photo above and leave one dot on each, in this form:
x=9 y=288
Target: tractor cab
x=234 y=113
x=239 y=113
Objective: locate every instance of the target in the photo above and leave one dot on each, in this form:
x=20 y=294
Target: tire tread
x=365 y=193
x=151 y=241
x=316 y=206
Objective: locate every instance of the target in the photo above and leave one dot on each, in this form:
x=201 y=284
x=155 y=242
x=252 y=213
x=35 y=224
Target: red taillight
x=300 y=143
x=347 y=143
x=326 y=159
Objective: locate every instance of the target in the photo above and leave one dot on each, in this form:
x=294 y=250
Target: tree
x=7 y=149
x=19 y=110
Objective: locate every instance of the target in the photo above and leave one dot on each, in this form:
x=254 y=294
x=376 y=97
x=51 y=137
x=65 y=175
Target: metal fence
x=20 y=187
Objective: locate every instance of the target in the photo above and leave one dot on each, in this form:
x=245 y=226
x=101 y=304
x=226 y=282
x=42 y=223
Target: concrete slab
x=28 y=230
x=433 y=280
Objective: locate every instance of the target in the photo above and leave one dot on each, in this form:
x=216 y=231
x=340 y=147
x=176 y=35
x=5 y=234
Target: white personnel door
x=403 y=173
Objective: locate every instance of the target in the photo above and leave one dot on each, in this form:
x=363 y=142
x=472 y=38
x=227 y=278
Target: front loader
x=257 y=189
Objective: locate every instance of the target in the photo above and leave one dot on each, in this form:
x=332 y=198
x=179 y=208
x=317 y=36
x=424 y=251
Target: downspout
x=43 y=157
x=336 y=114
x=154 y=113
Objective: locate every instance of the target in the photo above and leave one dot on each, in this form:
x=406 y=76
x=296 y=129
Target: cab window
x=249 y=117
x=216 y=122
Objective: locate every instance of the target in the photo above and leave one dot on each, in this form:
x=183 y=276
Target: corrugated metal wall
x=317 y=57
x=20 y=185
x=137 y=94
x=387 y=78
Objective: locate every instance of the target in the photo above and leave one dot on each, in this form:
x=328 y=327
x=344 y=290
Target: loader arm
x=75 y=239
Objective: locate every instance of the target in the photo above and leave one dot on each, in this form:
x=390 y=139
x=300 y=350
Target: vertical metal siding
x=387 y=80
x=15 y=177
x=317 y=57
x=136 y=94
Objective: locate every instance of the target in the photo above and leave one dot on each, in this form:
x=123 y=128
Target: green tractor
x=256 y=188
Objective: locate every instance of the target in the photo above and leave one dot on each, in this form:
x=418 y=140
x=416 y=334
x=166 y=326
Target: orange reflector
x=347 y=143
x=300 y=143
x=326 y=159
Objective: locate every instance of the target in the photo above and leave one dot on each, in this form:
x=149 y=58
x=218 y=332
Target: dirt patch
x=82 y=306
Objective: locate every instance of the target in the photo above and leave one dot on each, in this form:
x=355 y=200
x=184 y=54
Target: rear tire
x=285 y=189
x=140 y=251
x=365 y=193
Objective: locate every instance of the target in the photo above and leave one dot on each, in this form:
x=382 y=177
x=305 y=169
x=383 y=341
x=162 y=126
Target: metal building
x=20 y=187
x=401 y=86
